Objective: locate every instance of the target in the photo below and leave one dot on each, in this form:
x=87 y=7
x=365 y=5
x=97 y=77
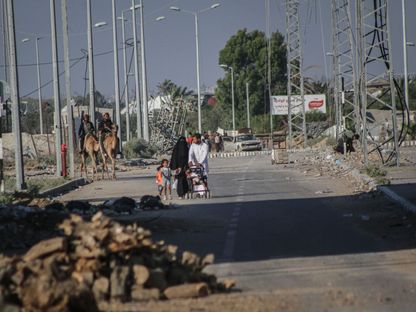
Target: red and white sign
x=280 y=105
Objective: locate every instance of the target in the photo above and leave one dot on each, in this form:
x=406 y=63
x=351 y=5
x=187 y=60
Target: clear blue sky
x=170 y=44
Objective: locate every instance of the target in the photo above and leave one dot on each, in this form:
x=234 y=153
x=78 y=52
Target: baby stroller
x=197 y=182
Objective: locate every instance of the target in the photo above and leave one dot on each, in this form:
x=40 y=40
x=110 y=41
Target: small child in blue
x=166 y=179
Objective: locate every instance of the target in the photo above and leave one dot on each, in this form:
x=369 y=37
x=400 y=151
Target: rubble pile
x=99 y=262
x=324 y=161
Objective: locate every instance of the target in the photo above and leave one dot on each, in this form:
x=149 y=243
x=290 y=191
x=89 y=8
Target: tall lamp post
x=39 y=82
x=90 y=63
x=116 y=78
x=195 y=14
x=136 y=70
x=146 y=135
x=232 y=92
x=14 y=93
x=405 y=45
x=126 y=81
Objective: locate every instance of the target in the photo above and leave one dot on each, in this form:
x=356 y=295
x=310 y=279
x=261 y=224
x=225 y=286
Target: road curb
x=63 y=188
x=397 y=198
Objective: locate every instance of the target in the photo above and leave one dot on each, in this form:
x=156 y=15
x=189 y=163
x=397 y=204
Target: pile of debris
x=99 y=262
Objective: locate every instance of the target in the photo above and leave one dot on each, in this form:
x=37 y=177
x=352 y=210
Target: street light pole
x=146 y=134
x=38 y=81
x=195 y=14
x=91 y=63
x=248 y=106
x=126 y=79
x=406 y=79
x=232 y=91
x=232 y=97
x=57 y=102
x=197 y=73
x=69 y=112
x=116 y=77
x=14 y=92
x=136 y=71
x=39 y=86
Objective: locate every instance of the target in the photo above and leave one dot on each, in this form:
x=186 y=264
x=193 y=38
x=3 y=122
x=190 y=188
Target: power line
x=60 y=61
x=50 y=81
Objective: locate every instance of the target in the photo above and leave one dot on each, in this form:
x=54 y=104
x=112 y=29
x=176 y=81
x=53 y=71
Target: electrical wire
x=50 y=81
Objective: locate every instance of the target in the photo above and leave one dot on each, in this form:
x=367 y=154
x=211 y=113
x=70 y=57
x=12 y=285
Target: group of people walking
x=186 y=154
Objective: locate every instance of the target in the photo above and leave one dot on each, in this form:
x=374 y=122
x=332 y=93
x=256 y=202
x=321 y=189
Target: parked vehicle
x=242 y=142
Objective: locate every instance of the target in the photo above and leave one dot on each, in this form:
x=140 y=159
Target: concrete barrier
x=238 y=154
x=64 y=188
x=397 y=198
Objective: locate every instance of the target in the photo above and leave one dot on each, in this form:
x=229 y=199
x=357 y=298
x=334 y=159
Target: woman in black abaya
x=179 y=163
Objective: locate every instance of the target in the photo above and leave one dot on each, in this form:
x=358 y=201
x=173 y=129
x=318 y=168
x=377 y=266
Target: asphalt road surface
x=279 y=231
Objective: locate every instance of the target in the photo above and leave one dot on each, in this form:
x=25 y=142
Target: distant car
x=242 y=142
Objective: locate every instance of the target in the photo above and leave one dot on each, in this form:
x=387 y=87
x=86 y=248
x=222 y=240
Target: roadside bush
x=375 y=171
x=411 y=131
x=138 y=149
x=6 y=198
x=378 y=173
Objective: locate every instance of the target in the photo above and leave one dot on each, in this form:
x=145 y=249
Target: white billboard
x=280 y=105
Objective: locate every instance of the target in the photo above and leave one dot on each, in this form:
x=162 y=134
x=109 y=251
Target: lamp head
x=160 y=18
x=174 y=8
x=100 y=24
x=137 y=6
x=215 y=5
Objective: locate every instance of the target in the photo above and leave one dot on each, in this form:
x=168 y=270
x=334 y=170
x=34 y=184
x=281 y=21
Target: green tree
x=246 y=53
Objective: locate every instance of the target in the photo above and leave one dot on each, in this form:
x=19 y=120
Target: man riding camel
x=86 y=127
x=104 y=128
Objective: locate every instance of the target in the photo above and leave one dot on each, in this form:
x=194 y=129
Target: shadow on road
x=272 y=229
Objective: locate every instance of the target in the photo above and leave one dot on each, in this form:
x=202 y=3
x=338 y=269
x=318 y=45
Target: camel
x=110 y=145
x=91 y=149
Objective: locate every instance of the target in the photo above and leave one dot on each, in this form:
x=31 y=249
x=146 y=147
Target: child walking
x=166 y=179
x=159 y=180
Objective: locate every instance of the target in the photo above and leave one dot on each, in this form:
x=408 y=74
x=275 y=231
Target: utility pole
x=57 y=101
x=116 y=78
x=126 y=78
x=269 y=65
x=14 y=92
x=1 y=148
x=248 y=106
x=39 y=86
x=71 y=141
x=136 y=72
x=5 y=40
x=232 y=98
x=146 y=134
x=406 y=78
x=91 y=63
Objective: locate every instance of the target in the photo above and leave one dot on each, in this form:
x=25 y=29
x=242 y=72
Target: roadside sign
x=313 y=102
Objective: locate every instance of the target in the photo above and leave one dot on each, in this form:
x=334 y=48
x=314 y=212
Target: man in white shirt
x=198 y=153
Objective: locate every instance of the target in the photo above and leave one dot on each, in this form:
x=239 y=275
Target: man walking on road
x=198 y=153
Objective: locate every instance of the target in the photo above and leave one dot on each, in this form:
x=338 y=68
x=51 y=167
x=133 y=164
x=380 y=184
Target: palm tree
x=167 y=87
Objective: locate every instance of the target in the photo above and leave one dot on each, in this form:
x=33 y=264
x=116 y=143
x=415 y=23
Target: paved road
x=275 y=228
